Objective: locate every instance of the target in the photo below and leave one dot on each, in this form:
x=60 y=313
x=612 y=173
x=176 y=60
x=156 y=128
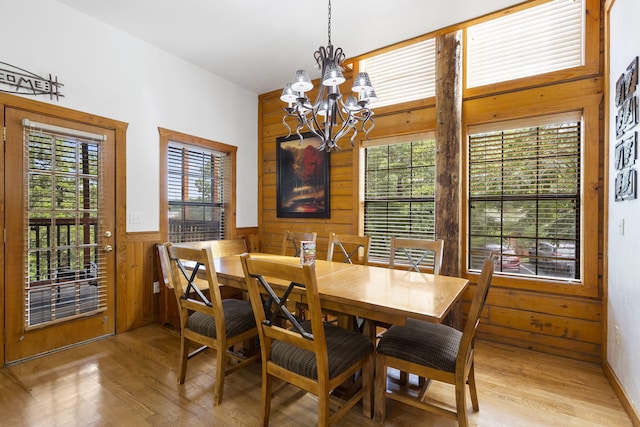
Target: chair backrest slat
x=219 y=248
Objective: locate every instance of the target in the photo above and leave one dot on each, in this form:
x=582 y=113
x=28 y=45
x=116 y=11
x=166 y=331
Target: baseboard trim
x=619 y=391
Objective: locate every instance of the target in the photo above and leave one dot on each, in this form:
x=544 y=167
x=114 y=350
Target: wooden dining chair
x=354 y=249
x=415 y=253
x=434 y=351
x=220 y=324
x=292 y=239
x=312 y=355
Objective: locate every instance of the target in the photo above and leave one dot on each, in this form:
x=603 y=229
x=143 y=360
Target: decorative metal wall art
x=23 y=82
x=626 y=151
x=626 y=184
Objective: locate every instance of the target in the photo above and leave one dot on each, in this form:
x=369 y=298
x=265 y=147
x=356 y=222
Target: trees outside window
x=399 y=186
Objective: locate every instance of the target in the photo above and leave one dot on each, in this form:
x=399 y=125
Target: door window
x=63 y=200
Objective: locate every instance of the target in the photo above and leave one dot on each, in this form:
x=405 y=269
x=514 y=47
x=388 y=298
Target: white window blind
x=65 y=269
x=524 y=197
x=537 y=40
x=399 y=180
x=197 y=192
x=404 y=74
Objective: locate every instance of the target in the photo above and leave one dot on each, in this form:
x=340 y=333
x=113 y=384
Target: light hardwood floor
x=130 y=380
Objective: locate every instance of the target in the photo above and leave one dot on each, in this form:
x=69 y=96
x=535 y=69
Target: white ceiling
x=258 y=44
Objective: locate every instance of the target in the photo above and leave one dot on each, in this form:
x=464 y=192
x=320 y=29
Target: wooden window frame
x=506 y=47
x=166 y=136
x=578 y=96
x=591 y=40
x=491 y=148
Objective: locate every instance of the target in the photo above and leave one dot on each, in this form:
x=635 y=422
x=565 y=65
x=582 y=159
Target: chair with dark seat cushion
x=220 y=324
x=416 y=255
x=313 y=355
x=436 y=352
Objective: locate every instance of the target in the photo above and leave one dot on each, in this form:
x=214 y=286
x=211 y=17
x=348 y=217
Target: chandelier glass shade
x=331 y=116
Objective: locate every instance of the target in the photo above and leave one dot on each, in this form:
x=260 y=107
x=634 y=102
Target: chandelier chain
x=329 y=24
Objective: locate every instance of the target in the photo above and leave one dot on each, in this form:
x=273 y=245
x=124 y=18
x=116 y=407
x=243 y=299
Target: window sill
x=548 y=285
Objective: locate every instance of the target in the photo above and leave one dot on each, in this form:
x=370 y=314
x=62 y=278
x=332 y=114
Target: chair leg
x=461 y=404
x=367 y=384
x=379 y=406
x=184 y=357
x=472 y=388
x=221 y=363
x=323 y=409
x=267 y=385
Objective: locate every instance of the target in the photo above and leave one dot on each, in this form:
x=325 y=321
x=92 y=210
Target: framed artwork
x=302 y=178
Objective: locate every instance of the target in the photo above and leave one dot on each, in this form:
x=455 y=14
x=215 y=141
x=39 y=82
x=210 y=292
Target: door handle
x=107 y=248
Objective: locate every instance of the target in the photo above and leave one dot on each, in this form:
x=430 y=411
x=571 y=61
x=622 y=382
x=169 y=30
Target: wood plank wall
x=541 y=319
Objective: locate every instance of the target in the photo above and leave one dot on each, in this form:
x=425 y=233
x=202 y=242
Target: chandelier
x=329 y=117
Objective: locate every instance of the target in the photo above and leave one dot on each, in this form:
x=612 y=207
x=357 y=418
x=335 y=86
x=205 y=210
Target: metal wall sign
x=17 y=80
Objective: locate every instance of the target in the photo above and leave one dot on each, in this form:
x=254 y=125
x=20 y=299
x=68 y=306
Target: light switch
x=135 y=218
x=621 y=226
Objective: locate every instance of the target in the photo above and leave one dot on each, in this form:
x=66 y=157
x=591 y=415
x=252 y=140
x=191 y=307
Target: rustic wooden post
x=448 y=148
x=448 y=155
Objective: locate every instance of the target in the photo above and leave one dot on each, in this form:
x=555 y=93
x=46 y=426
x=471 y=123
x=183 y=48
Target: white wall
x=624 y=250
x=108 y=73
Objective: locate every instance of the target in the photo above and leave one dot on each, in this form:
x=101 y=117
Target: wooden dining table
x=374 y=293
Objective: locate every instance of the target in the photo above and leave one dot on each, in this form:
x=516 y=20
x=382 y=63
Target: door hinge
x=4 y=134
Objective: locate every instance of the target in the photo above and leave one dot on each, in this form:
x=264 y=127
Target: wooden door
x=59 y=218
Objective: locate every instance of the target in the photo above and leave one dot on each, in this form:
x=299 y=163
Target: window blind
x=197 y=191
x=399 y=192
x=537 y=40
x=404 y=74
x=524 y=193
x=65 y=268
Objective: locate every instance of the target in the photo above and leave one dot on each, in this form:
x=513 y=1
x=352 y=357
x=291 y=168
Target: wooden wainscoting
x=137 y=304
x=554 y=324
x=140 y=305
